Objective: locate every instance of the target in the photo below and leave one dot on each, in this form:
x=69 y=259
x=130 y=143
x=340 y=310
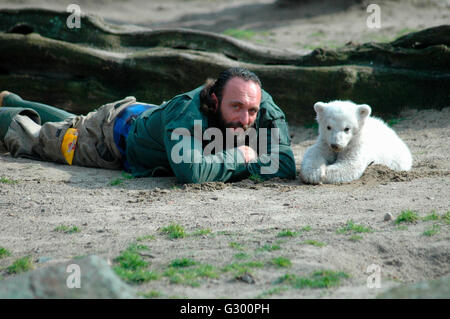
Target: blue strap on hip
x=123 y=124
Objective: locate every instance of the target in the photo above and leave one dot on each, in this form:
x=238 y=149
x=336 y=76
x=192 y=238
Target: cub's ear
x=364 y=111
x=319 y=106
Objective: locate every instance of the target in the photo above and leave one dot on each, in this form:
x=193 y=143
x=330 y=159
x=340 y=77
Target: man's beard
x=239 y=136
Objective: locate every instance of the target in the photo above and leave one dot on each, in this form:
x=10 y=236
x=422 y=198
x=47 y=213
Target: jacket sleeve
x=185 y=154
x=277 y=159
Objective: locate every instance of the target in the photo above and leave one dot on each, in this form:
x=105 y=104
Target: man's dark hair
x=216 y=86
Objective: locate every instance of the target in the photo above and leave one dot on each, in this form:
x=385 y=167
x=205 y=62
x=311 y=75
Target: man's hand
x=248 y=153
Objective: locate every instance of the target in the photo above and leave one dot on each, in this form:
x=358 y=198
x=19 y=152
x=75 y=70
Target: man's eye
x=253 y=111
x=328 y=127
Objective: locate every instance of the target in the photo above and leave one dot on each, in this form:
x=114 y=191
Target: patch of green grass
x=67 y=229
x=256 y=178
x=137 y=276
x=281 y=262
x=202 y=232
x=405 y=31
x=268 y=247
x=355 y=238
x=183 y=262
x=271 y=292
x=190 y=275
x=132 y=268
x=146 y=238
x=174 y=231
x=407 y=216
x=318 y=279
x=241 y=268
x=242 y=256
x=432 y=231
x=306 y=228
x=287 y=233
x=4 y=252
x=446 y=218
x=351 y=227
x=20 y=265
x=394 y=121
x=127 y=175
x=4 y=180
x=116 y=182
x=316 y=34
x=244 y=34
x=236 y=245
x=314 y=243
x=150 y=294
x=432 y=216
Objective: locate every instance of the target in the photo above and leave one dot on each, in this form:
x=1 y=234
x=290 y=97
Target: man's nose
x=244 y=118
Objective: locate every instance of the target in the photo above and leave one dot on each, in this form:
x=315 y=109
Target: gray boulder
x=96 y=280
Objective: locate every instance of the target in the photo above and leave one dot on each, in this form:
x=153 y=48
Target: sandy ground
x=44 y=195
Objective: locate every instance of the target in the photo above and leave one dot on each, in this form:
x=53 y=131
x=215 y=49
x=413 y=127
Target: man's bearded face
x=239 y=107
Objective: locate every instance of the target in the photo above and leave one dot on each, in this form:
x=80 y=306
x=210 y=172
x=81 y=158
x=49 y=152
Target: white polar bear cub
x=349 y=141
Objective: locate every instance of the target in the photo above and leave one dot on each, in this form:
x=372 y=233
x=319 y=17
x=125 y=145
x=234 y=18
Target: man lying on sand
x=225 y=130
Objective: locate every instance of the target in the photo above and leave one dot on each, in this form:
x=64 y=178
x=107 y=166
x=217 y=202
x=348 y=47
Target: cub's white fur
x=349 y=141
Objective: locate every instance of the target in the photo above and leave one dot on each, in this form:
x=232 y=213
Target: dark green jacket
x=149 y=144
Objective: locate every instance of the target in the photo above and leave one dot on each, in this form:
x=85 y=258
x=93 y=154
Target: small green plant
x=351 y=227
x=183 y=262
x=146 y=238
x=116 y=182
x=281 y=262
x=127 y=175
x=241 y=268
x=407 y=216
x=67 y=229
x=242 y=256
x=273 y=291
x=314 y=243
x=5 y=180
x=433 y=231
x=306 y=228
x=268 y=247
x=150 y=294
x=174 y=231
x=355 y=238
x=394 y=121
x=432 y=216
x=20 y=265
x=318 y=279
x=132 y=268
x=446 y=218
x=256 y=178
x=190 y=275
x=287 y=233
x=240 y=34
x=202 y=232
x=236 y=245
x=4 y=252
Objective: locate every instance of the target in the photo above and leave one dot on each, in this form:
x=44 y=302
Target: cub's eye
x=328 y=127
x=347 y=129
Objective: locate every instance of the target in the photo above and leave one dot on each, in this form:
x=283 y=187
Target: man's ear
x=215 y=101
x=319 y=106
x=364 y=111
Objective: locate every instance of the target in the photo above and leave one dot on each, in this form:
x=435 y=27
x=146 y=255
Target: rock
x=247 y=278
x=97 y=280
x=388 y=217
x=432 y=289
